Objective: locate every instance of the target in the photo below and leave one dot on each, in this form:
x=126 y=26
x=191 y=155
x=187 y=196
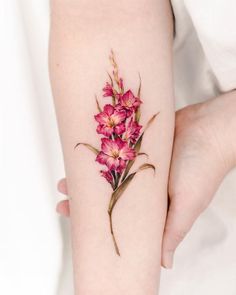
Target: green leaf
x=138 y=115
x=123 y=186
x=137 y=146
x=98 y=105
x=88 y=146
x=146 y=166
x=140 y=86
x=143 y=154
x=150 y=121
x=111 y=80
x=138 y=112
x=112 y=85
x=118 y=193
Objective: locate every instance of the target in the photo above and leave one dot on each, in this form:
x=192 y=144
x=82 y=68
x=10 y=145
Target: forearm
x=82 y=35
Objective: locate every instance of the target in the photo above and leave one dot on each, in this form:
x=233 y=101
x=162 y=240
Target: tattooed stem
x=116 y=180
x=112 y=233
x=113 y=100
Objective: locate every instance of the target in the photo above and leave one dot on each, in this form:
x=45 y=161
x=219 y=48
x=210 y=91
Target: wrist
x=220 y=114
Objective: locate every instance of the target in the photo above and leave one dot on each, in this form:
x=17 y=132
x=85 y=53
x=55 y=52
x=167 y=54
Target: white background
x=32 y=253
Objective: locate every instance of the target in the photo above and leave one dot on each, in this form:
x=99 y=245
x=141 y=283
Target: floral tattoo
x=122 y=135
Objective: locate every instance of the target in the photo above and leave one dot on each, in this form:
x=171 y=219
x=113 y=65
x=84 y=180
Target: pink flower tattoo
x=122 y=136
x=111 y=121
x=129 y=102
x=115 y=154
x=108 y=90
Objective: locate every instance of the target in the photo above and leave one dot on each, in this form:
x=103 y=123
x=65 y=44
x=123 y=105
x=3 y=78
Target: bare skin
x=140 y=34
x=203 y=154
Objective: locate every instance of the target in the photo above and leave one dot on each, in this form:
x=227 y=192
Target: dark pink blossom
x=115 y=153
x=129 y=101
x=110 y=121
x=108 y=90
x=107 y=175
x=132 y=131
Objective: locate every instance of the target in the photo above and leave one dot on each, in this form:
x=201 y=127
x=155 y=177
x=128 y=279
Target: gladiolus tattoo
x=122 y=135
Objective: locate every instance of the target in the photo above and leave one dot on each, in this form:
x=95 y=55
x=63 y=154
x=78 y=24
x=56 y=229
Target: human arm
x=82 y=35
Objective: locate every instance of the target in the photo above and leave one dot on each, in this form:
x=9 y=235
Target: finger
x=179 y=222
x=63 y=208
x=62 y=186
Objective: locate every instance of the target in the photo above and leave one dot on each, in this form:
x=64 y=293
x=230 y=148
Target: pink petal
x=105 y=130
x=102 y=158
x=137 y=103
x=129 y=101
x=108 y=91
x=129 y=112
x=122 y=165
x=109 y=109
x=127 y=153
x=120 y=128
x=108 y=146
x=107 y=175
x=101 y=118
x=112 y=163
x=119 y=116
x=132 y=131
x=128 y=95
x=120 y=143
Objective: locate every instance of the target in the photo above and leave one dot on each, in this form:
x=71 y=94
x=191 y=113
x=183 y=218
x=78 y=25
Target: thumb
x=179 y=222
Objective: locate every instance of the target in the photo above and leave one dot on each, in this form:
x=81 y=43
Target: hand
x=203 y=153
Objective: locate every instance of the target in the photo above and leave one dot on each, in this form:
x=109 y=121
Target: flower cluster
x=118 y=124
